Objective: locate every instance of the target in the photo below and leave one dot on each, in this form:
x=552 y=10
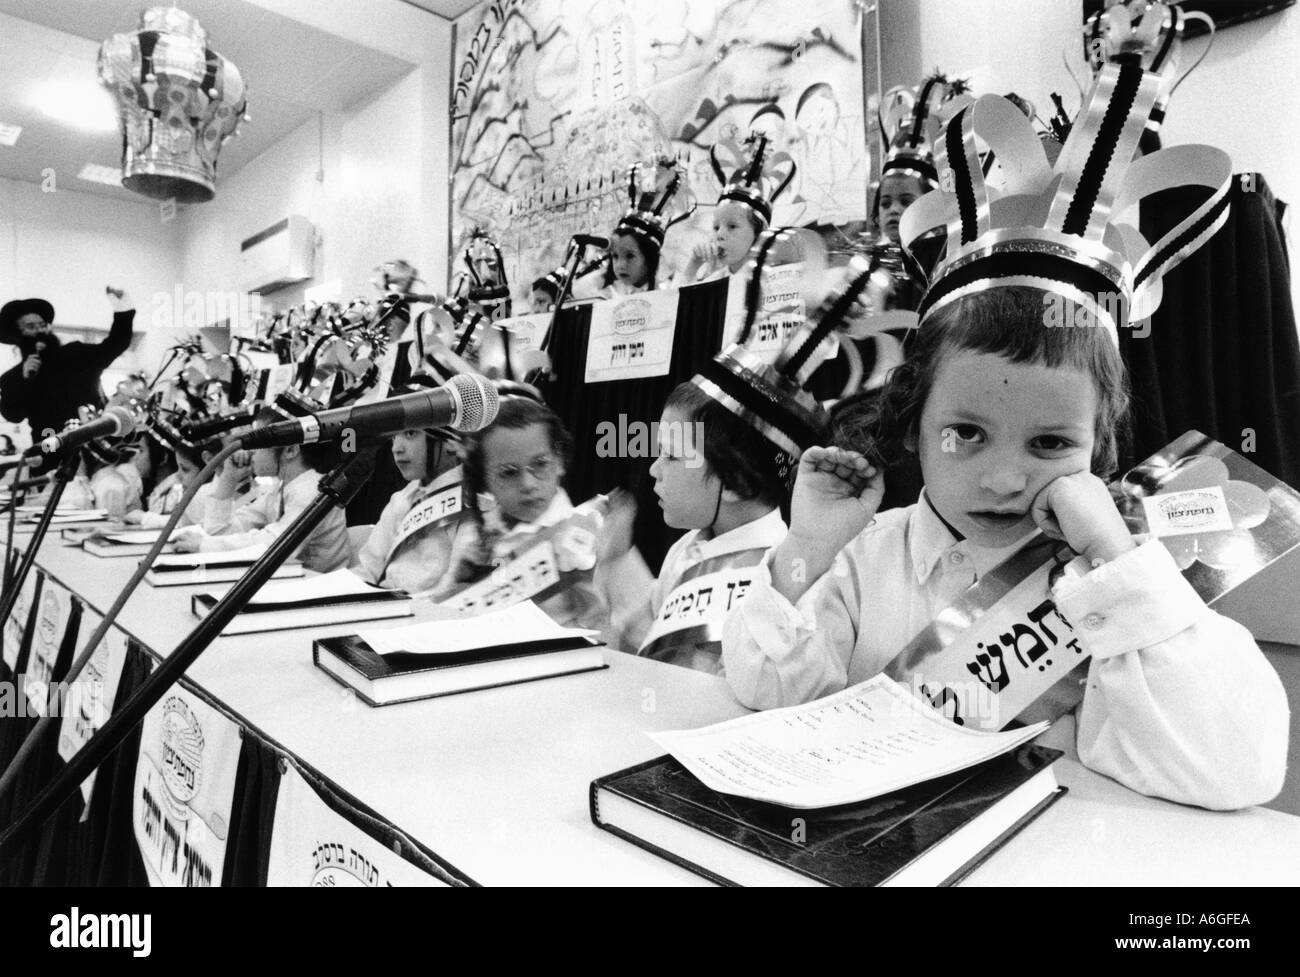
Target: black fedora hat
x=15 y=310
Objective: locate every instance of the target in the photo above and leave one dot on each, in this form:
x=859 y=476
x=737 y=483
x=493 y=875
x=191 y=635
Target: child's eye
x=964 y=433
x=1051 y=442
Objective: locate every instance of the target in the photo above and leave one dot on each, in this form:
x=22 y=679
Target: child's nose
x=1003 y=479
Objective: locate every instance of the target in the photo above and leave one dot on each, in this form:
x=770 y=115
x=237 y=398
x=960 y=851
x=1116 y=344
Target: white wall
x=383 y=193
x=65 y=246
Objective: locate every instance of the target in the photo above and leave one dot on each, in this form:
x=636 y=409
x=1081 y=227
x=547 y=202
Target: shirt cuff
x=1136 y=600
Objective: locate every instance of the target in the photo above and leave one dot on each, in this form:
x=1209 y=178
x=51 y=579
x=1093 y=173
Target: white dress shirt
x=1179 y=702
x=260 y=521
x=421 y=561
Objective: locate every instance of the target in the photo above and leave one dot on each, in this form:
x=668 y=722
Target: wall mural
x=552 y=102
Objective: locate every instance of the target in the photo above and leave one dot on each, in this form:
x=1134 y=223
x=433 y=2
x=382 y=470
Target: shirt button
x=1094 y=621
x=956 y=558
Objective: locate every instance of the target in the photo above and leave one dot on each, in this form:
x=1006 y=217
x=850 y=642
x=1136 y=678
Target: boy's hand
x=616 y=534
x=187 y=542
x=1078 y=509
x=134 y=518
x=234 y=470
x=836 y=496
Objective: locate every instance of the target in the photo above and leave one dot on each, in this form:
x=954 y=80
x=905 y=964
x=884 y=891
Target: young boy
x=299 y=467
x=716 y=477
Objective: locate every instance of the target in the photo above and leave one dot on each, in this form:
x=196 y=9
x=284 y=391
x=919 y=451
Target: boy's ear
x=911 y=442
x=290 y=451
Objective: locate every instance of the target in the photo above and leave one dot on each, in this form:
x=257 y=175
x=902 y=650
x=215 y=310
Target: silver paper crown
x=914 y=115
x=1064 y=227
x=646 y=216
x=1147 y=33
x=757 y=179
x=179 y=102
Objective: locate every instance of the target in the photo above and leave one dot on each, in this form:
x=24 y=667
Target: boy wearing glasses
x=513 y=469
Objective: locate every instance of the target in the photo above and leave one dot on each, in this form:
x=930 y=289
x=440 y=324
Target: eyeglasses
x=540 y=468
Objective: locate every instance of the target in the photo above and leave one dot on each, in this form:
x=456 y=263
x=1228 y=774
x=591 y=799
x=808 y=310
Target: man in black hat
x=54 y=379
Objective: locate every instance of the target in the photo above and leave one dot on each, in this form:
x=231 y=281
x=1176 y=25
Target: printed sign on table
x=184 y=783
x=17 y=623
x=90 y=697
x=311 y=845
x=528 y=330
x=632 y=336
x=53 y=611
x=781 y=315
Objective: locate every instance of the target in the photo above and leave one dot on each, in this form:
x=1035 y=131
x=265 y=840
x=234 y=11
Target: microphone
x=466 y=403
x=115 y=422
x=209 y=426
x=592 y=241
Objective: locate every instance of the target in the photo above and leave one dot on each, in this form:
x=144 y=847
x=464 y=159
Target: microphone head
x=477 y=399
x=126 y=420
x=592 y=240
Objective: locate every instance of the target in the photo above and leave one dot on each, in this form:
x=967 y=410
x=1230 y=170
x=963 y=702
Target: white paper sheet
x=338 y=583
x=868 y=740
x=521 y=622
x=246 y=554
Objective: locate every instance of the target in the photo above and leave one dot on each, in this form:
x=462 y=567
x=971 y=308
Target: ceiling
x=293 y=71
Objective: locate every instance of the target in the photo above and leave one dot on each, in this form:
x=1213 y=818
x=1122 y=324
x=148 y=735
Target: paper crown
x=646 y=217
x=480 y=248
x=1061 y=228
x=914 y=115
x=756 y=181
x=179 y=101
x=771 y=396
x=1149 y=34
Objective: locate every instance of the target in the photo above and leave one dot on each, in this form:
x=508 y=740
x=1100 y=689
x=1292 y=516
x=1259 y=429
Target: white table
x=496 y=781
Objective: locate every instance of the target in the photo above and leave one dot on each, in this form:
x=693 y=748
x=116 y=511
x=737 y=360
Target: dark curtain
x=584 y=407
x=100 y=850
x=1222 y=356
x=252 y=813
x=19 y=864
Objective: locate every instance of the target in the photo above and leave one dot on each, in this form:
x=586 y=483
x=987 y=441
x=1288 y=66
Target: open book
x=869 y=786
x=516 y=644
x=328 y=598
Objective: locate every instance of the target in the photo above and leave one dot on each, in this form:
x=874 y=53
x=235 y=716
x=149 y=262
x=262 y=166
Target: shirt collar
x=930 y=542
x=559 y=509
x=450 y=477
x=762 y=533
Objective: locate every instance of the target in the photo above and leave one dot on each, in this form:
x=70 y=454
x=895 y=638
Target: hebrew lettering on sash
x=1037 y=649
x=989 y=668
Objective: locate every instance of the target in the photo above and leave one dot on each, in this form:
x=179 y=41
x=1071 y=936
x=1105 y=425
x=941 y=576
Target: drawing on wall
x=552 y=102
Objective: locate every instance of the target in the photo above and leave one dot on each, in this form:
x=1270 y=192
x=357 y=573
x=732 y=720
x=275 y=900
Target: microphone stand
x=335 y=491
x=66 y=470
x=16 y=495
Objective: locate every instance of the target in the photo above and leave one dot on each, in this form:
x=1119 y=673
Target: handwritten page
x=512 y=625
x=306 y=590
x=869 y=740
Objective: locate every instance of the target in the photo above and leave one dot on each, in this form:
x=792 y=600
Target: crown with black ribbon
x=1064 y=228
x=771 y=397
x=647 y=217
x=914 y=114
x=1149 y=34
x=480 y=246
x=757 y=180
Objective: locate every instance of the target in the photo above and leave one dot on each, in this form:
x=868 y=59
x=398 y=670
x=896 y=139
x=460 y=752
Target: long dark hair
x=648 y=251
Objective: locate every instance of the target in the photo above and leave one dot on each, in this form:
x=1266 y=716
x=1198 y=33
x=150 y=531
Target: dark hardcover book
x=338 y=609
x=382 y=679
x=933 y=833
